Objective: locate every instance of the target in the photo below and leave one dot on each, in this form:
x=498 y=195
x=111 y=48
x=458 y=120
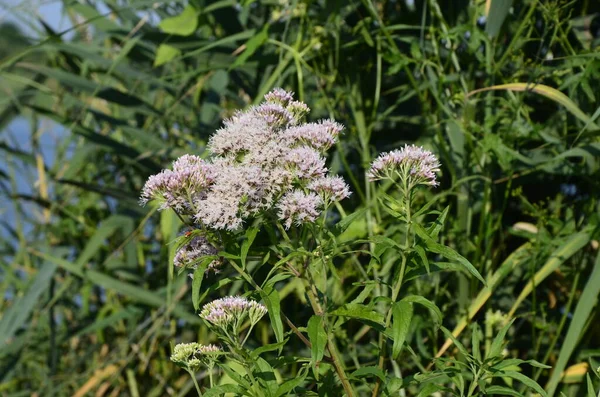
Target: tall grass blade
x=587 y=301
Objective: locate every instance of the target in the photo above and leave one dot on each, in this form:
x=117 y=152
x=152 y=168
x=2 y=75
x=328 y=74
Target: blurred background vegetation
x=89 y=111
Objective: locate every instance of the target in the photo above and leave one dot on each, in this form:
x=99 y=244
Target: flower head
x=279 y=96
x=230 y=312
x=275 y=115
x=298 y=207
x=330 y=188
x=306 y=163
x=192 y=252
x=320 y=136
x=412 y=164
x=193 y=355
x=260 y=158
x=189 y=180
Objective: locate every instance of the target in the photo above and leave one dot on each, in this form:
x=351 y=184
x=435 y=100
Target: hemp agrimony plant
x=261 y=213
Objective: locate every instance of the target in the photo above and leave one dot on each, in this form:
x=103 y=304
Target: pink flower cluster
x=264 y=159
x=412 y=164
x=189 y=254
x=231 y=312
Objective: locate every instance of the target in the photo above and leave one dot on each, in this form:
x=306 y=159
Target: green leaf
x=432 y=388
x=502 y=390
x=461 y=348
x=496 y=16
x=183 y=24
x=250 y=236
x=517 y=258
x=345 y=223
x=251 y=46
x=558 y=257
x=361 y=312
x=421 y=252
x=446 y=252
x=267 y=348
x=548 y=92
x=318 y=339
x=434 y=230
x=583 y=312
x=428 y=304
x=109 y=226
x=165 y=53
x=402 y=313
x=197 y=281
x=18 y=313
x=139 y=294
x=272 y=302
x=291 y=384
x=221 y=390
x=523 y=379
x=590 y=386
x=265 y=376
x=496 y=347
x=368 y=371
x=476 y=337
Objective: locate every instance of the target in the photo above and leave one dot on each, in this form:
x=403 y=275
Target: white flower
x=412 y=164
x=298 y=207
x=330 y=188
x=193 y=355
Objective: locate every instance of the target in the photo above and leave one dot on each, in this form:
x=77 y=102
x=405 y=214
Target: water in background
x=18 y=135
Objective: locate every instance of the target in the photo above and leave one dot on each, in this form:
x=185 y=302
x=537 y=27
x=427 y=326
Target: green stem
x=396 y=290
x=195 y=382
x=518 y=35
x=335 y=358
x=247 y=334
x=250 y=281
x=474 y=383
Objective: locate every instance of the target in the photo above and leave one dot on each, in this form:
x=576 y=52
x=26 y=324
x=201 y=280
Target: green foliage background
x=91 y=302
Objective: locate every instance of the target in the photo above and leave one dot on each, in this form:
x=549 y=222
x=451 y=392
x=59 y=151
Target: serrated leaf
x=402 y=313
x=272 y=302
x=432 y=388
x=197 y=281
x=368 y=371
x=265 y=376
x=461 y=348
x=502 y=390
x=427 y=303
x=496 y=347
x=183 y=24
x=318 y=339
x=291 y=384
x=434 y=230
x=250 y=236
x=523 y=379
x=221 y=390
x=475 y=341
x=267 y=348
x=445 y=251
x=358 y=311
x=342 y=225
x=421 y=252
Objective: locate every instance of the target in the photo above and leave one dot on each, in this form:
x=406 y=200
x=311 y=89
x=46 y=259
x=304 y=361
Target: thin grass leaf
x=546 y=91
x=557 y=258
x=20 y=311
x=583 y=310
